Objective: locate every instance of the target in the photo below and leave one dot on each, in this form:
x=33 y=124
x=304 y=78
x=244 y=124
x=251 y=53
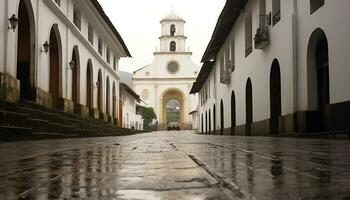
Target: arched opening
x=209 y=122
x=173 y=111
x=206 y=122
x=222 y=120
x=89 y=86
x=249 y=107
x=233 y=113
x=55 y=65
x=172 y=101
x=318 y=77
x=26 y=49
x=172 y=30
x=99 y=91
x=214 y=119
x=275 y=97
x=107 y=96
x=172 y=46
x=75 y=75
x=114 y=113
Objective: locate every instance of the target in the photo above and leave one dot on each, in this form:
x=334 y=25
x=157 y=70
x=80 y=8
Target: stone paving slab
x=176 y=165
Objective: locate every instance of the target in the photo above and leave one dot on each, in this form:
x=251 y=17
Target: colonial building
x=131 y=112
x=60 y=54
x=276 y=66
x=171 y=75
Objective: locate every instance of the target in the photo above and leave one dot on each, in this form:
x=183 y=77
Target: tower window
x=172 y=46
x=172 y=30
x=315 y=5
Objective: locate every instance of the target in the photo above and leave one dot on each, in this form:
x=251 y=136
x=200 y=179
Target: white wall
x=48 y=13
x=289 y=44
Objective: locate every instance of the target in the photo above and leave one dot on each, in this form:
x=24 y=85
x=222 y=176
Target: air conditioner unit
x=261 y=38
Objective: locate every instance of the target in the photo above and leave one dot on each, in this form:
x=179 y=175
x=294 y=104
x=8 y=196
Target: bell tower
x=172 y=39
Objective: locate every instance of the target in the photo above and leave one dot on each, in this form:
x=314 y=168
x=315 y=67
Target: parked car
x=173 y=126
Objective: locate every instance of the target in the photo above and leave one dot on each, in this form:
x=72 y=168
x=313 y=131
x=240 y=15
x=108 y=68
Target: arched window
x=172 y=46
x=172 y=30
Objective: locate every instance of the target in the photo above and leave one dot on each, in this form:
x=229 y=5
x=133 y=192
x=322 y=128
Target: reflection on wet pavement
x=175 y=165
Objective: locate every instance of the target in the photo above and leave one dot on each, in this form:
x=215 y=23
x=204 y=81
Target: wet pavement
x=176 y=165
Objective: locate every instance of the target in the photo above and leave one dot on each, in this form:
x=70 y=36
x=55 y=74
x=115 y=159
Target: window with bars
x=100 y=46
x=248 y=35
x=115 y=63
x=233 y=56
x=108 y=56
x=77 y=18
x=276 y=11
x=91 y=34
x=315 y=5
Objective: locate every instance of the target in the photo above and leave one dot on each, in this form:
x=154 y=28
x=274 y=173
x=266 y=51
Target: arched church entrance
x=173 y=108
x=55 y=65
x=318 y=77
x=26 y=49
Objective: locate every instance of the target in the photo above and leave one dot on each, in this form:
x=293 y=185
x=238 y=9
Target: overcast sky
x=138 y=23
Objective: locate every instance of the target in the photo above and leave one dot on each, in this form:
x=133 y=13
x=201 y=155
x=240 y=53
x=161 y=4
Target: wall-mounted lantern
x=45 y=48
x=97 y=84
x=71 y=64
x=13 y=22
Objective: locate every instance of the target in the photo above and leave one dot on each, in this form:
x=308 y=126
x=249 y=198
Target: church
x=165 y=84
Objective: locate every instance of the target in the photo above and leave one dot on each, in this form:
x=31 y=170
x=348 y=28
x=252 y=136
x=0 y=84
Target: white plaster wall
x=257 y=67
x=333 y=19
x=46 y=14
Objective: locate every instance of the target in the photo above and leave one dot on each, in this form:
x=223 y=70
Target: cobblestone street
x=175 y=165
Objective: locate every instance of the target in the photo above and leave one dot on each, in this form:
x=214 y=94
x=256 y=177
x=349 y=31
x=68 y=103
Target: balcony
x=225 y=78
x=261 y=38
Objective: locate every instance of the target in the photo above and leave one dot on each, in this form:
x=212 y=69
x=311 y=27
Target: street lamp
x=45 y=47
x=13 y=22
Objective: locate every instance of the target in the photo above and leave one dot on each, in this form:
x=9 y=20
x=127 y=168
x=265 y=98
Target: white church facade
x=61 y=54
x=276 y=66
x=170 y=76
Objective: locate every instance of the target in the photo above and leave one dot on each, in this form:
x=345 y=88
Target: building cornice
x=175 y=36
